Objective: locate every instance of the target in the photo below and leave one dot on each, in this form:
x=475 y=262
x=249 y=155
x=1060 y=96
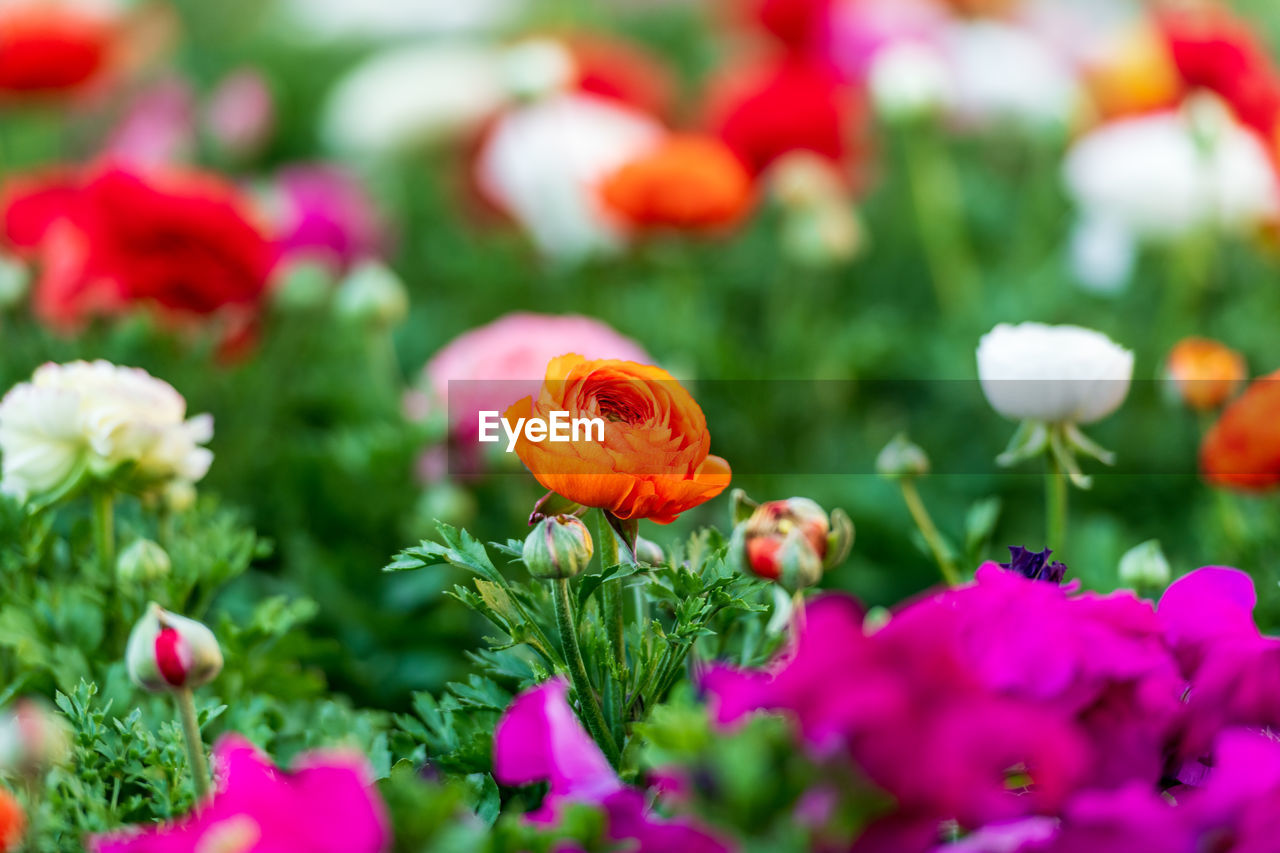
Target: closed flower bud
x=902 y=458
x=15 y=281
x=171 y=652
x=791 y=542
x=143 y=561
x=649 y=552
x=558 y=547
x=373 y=294
x=1144 y=566
x=33 y=739
x=1204 y=373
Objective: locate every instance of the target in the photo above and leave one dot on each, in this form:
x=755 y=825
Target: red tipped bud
x=171 y=652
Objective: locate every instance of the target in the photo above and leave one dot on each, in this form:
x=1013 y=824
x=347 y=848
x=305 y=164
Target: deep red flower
x=1215 y=50
x=48 y=48
x=109 y=238
x=765 y=112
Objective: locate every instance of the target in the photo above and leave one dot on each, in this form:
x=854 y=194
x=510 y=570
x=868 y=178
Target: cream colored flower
x=94 y=419
x=1053 y=374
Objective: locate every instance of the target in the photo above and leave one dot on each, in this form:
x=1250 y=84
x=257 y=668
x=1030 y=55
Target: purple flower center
x=1035 y=565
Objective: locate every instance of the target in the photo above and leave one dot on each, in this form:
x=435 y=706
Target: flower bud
x=171 y=652
x=558 y=547
x=373 y=294
x=1144 y=566
x=902 y=458
x=15 y=281
x=1204 y=373
x=33 y=739
x=649 y=552
x=792 y=542
x=301 y=284
x=142 y=562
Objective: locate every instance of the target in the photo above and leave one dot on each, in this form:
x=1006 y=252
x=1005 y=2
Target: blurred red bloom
x=1242 y=450
x=108 y=238
x=1217 y=51
x=621 y=71
x=52 y=47
x=765 y=112
x=799 y=24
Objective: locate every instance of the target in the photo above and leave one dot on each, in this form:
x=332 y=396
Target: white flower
x=89 y=419
x=542 y=164
x=412 y=95
x=396 y=19
x=1053 y=374
x=1004 y=73
x=1165 y=175
x=908 y=78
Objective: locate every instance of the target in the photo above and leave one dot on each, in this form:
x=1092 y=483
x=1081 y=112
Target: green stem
x=578 y=672
x=195 y=745
x=104 y=533
x=936 y=199
x=1055 y=505
x=941 y=555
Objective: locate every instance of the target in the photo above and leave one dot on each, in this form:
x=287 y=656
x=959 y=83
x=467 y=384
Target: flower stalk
x=924 y=522
x=591 y=712
x=185 y=700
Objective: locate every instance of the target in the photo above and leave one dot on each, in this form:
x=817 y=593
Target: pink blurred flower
x=240 y=114
x=324 y=213
x=323 y=805
x=158 y=128
x=539 y=739
x=501 y=362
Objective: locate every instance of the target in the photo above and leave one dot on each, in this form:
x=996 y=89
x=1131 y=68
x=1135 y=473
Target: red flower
x=110 y=238
x=1214 y=50
x=792 y=106
x=52 y=47
x=621 y=71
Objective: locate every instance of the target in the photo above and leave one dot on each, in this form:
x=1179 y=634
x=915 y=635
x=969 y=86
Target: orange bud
x=1204 y=372
x=1136 y=76
x=1242 y=450
x=687 y=182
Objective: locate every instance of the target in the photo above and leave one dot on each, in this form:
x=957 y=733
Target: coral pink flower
x=501 y=362
x=323 y=805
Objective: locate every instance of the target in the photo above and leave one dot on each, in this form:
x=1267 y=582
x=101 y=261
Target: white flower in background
x=89 y=419
x=1000 y=72
x=1053 y=374
x=908 y=79
x=1103 y=255
x=411 y=95
x=541 y=163
x=1164 y=175
x=396 y=19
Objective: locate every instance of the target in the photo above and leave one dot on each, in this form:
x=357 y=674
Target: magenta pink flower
x=323 y=213
x=496 y=364
x=325 y=804
x=539 y=739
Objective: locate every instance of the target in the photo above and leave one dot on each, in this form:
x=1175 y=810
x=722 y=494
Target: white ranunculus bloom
x=1053 y=374
x=1001 y=72
x=1163 y=176
x=542 y=163
x=411 y=95
x=909 y=78
x=87 y=418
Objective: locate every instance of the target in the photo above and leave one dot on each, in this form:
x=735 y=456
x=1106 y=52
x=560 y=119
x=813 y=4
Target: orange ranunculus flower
x=1242 y=450
x=12 y=822
x=653 y=462
x=1204 y=372
x=689 y=181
